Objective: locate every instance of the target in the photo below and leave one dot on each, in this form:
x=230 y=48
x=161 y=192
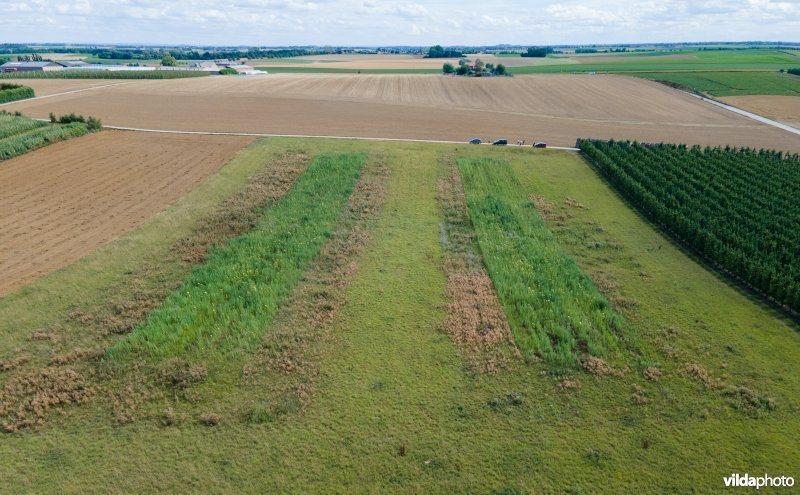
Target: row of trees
x=477 y=70
x=796 y=72
x=538 y=52
x=156 y=53
x=740 y=208
x=439 y=52
x=33 y=57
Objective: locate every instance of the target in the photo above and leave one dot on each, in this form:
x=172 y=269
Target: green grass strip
x=226 y=304
x=554 y=310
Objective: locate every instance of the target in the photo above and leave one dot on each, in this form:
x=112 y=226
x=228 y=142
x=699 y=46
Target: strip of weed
x=284 y=372
x=226 y=304
x=83 y=332
x=475 y=319
x=554 y=310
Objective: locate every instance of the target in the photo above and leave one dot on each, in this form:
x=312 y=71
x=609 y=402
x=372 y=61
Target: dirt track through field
x=62 y=202
x=552 y=108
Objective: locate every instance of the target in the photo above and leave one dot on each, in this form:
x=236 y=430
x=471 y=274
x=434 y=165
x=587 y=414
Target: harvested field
x=357 y=61
x=46 y=87
x=782 y=108
x=64 y=201
x=553 y=108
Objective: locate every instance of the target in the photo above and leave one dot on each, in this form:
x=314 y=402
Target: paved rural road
x=747 y=114
x=256 y=134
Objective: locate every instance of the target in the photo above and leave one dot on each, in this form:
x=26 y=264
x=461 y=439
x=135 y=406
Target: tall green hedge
x=14 y=92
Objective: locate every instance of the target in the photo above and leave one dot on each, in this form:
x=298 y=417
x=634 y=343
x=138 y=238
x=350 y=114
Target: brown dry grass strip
x=475 y=320
x=289 y=359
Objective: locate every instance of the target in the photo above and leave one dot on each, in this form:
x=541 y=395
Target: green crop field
x=731 y=83
x=285 y=328
x=333 y=70
x=20 y=134
x=104 y=74
x=712 y=60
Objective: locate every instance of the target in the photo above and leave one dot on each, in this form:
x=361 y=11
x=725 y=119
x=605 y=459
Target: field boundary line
x=750 y=115
x=258 y=134
x=64 y=93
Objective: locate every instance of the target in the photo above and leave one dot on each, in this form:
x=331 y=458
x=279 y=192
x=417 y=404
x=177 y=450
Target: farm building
x=72 y=63
x=205 y=66
x=244 y=69
x=30 y=67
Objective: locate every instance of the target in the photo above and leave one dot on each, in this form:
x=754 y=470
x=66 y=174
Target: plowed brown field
x=62 y=202
x=552 y=108
x=782 y=108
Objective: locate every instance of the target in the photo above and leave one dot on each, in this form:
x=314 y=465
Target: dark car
x=475 y=141
x=500 y=142
x=540 y=145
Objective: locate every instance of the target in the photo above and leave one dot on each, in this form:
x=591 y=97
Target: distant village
x=210 y=66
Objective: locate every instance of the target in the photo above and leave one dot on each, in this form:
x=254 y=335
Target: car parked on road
x=500 y=142
x=540 y=145
x=475 y=141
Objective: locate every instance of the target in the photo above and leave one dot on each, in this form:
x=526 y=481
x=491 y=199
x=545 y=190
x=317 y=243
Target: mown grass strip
x=554 y=310
x=226 y=304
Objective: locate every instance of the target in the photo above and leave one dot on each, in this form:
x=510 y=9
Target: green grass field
x=731 y=83
x=355 y=387
x=717 y=60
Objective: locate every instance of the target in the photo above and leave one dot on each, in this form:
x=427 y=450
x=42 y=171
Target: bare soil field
x=46 y=87
x=552 y=108
x=781 y=108
x=62 y=202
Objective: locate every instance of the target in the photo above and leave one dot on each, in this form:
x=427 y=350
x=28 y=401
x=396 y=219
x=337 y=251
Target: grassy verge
x=554 y=310
x=225 y=304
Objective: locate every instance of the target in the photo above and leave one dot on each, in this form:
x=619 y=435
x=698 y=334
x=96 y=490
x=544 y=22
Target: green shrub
x=14 y=92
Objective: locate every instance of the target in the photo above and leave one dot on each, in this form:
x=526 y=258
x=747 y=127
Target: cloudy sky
x=379 y=22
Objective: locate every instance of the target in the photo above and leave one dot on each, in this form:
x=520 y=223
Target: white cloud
x=380 y=22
